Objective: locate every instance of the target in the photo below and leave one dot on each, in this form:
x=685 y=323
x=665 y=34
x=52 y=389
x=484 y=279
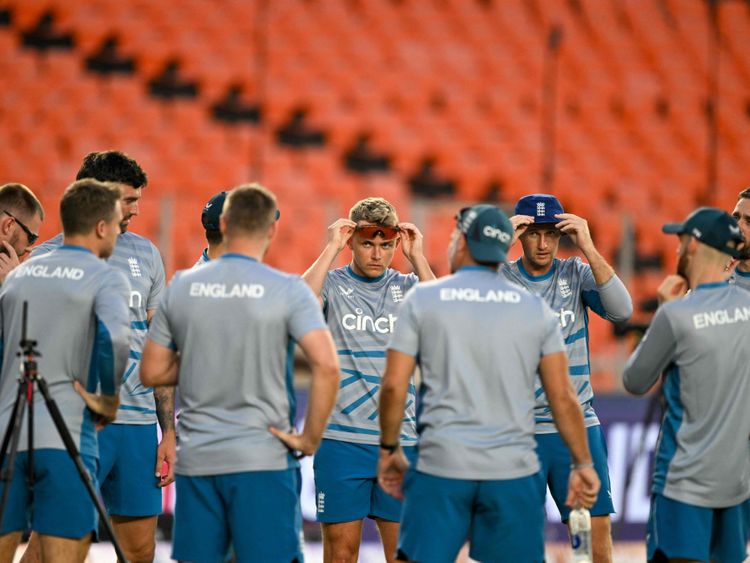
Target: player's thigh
x=436 y=517
x=677 y=530
x=130 y=488
x=62 y=504
x=263 y=514
x=54 y=548
x=508 y=520
x=341 y=540
x=201 y=531
x=729 y=533
x=555 y=459
x=345 y=476
x=389 y=537
x=137 y=535
x=8 y=545
x=15 y=518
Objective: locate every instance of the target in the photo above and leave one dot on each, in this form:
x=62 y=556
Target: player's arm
x=160 y=361
x=412 y=245
x=318 y=347
x=583 y=486
x=339 y=233
x=653 y=354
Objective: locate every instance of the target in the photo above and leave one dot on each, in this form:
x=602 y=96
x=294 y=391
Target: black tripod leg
x=57 y=418
x=12 y=435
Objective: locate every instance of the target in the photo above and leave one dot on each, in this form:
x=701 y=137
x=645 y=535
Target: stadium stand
x=455 y=81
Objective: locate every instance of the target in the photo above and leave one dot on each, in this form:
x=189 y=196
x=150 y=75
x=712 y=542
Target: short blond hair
x=374 y=210
x=250 y=208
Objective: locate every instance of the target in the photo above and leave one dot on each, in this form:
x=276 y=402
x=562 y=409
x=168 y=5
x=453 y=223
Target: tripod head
x=28 y=346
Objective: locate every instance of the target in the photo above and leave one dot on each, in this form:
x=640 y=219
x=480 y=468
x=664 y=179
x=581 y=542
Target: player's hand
x=577 y=228
x=583 y=487
x=412 y=241
x=673 y=287
x=103 y=407
x=166 y=455
x=520 y=224
x=300 y=444
x=391 y=470
x=8 y=260
x=340 y=232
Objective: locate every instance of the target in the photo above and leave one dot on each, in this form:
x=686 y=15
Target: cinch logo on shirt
x=42 y=271
x=479 y=296
x=721 y=317
x=566 y=317
x=366 y=323
x=222 y=291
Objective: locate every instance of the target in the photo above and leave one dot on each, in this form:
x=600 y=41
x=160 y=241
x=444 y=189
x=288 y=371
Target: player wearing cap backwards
x=210 y=222
x=741 y=273
x=702 y=461
x=360 y=302
x=477 y=474
x=131 y=457
x=570 y=287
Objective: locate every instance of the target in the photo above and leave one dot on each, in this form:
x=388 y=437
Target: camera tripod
x=25 y=397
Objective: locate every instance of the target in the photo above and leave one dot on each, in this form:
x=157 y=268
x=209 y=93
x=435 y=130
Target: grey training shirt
x=78 y=314
x=140 y=261
x=701 y=340
x=478 y=339
x=234 y=322
x=570 y=289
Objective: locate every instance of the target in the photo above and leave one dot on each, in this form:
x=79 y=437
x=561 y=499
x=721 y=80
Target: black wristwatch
x=390 y=448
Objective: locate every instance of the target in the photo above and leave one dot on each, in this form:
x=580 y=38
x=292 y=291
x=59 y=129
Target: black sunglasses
x=33 y=237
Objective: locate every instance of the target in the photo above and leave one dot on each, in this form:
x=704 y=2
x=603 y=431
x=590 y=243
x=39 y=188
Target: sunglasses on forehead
x=373 y=231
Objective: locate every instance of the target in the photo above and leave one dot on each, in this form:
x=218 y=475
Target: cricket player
x=234 y=323
x=21 y=216
x=479 y=341
x=77 y=312
x=699 y=341
x=361 y=302
x=133 y=465
x=210 y=221
x=741 y=273
x=571 y=288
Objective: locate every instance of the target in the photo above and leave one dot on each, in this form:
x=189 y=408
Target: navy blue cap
x=711 y=226
x=488 y=232
x=212 y=212
x=542 y=207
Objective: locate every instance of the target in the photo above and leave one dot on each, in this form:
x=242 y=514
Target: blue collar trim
x=543 y=277
x=712 y=285
x=362 y=278
x=741 y=273
x=75 y=247
x=476 y=268
x=237 y=255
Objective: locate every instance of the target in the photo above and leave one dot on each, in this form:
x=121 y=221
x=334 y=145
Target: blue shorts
x=258 y=512
x=503 y=520
x=61 y=506
x=346 y=484
x=685 y=531
x=127 y=463
x=554 y=457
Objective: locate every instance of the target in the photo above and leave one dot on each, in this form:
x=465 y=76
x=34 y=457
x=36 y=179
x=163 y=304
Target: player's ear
x=100 y=228
x=223 y=225
x=272 y=230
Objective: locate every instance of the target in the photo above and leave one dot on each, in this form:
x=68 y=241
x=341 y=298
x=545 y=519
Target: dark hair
x=250 y=208
x=20 y=200
x=745 y=194
x=85 y=203
x=214 y=237
x=112 y=166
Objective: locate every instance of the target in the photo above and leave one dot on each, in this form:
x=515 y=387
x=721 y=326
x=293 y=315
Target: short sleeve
x=405 y=337
x=158 y=281
x=553 y=341
x=160 y=330
x=304 y=310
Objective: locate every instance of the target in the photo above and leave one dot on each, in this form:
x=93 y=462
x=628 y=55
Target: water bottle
x=580 y=535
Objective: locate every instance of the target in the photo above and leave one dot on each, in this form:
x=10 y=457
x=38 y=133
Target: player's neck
x=706 y=273
x=215 y=250
x=743 y=265
x=248 y=247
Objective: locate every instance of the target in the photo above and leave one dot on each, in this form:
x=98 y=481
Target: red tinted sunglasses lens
x=373 y=231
